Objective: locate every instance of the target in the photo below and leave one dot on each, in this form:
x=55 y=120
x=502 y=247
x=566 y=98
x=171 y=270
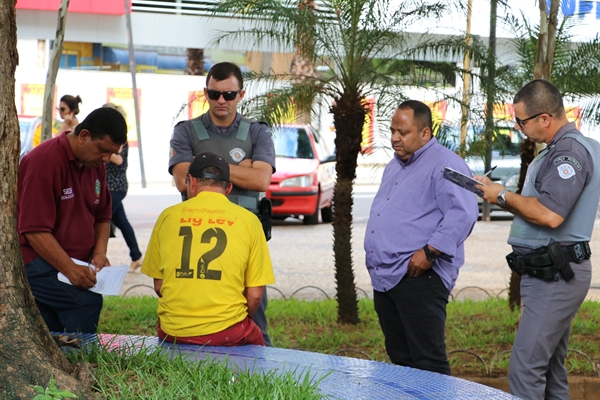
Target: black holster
x=265 y=212
x=559 y=260
x=514 y=262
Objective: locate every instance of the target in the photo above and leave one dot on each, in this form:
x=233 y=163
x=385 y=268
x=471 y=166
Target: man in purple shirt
x=414 y=241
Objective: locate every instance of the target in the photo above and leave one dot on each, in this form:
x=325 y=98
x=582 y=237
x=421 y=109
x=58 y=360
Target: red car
x=305 y=177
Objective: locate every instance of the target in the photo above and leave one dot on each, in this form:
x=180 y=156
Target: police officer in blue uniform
x=247 y=146
x=554 y=219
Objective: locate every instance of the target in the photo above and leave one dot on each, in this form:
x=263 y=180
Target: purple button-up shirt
x=416 y=206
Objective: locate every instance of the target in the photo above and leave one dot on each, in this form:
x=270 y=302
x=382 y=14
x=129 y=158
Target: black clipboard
x=462 y=180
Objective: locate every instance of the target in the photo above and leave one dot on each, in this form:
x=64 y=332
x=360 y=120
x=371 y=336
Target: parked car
x=305 y=177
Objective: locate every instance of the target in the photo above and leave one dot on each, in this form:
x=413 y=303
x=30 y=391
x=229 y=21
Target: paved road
x=302 y=255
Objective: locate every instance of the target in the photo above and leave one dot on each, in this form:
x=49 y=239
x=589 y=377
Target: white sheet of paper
x=108 y=281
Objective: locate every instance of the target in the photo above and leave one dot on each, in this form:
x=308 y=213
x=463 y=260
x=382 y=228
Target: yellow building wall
x=84 y=52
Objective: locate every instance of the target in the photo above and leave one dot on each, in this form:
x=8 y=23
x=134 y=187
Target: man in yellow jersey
x=210 y=263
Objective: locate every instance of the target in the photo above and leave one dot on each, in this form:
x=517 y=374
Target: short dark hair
x=211 y=182
x=72 y=102
x=104 y=121
x=224 y=70
x=540 y=96
x=422 y=113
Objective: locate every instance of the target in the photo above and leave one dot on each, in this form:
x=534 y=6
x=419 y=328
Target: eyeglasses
x=520 y=122
x=228 y=96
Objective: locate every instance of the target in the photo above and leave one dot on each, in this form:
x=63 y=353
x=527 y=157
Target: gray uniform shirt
x=260 y=135
x=563 y=174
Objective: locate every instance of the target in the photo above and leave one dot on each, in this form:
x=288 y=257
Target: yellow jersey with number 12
x=206 y=250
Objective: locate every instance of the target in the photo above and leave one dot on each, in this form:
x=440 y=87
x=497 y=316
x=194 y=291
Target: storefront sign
x=109 y=7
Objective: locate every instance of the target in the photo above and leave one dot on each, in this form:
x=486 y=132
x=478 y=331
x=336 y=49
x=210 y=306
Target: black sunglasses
x=228 y=96
x=520 y=122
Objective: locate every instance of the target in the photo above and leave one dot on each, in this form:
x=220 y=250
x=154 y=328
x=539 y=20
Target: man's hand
x=418 y=263
x=99 y=261
x=490 y=189
x=528 y=207
x=81 y=277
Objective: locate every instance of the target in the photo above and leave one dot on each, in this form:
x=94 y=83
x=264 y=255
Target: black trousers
x=412 y=316
x=64 y=308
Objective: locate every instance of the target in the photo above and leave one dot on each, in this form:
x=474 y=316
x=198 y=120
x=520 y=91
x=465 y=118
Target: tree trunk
x=464 y=109
x=302 y=67
x=28 y=354
x=491 y=99
x=195 y=62
x=53 y=65
x=348 y=119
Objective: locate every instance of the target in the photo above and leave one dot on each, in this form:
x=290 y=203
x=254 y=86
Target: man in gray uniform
x=554 y=219
x=247 y=146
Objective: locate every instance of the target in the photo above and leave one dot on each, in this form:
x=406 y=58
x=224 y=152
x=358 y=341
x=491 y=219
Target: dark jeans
x=412 y=316
x=119 y=219
x=63 y=307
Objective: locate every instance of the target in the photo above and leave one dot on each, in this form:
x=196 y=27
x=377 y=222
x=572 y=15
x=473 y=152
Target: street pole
x=136 y=100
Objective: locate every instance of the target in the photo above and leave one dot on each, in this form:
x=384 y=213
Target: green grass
x=129 y=374
x=486 y=328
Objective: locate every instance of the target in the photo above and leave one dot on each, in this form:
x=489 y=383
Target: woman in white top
x=68 y=108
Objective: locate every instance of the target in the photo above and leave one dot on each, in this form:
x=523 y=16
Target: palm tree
x=574 y=71
x=360 y=42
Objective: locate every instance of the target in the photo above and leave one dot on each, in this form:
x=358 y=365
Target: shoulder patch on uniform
x=563 y=159
x=566 y=171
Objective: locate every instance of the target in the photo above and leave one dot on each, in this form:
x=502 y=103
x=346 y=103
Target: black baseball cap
x=208 y=159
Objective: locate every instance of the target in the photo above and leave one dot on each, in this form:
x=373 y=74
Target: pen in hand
x=490 y=171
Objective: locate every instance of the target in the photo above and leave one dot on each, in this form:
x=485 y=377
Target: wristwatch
x=502 y=197
x=430 y=254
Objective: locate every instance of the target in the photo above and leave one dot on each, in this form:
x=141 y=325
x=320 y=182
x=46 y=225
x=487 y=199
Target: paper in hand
x=462 y=180
x=108 y=281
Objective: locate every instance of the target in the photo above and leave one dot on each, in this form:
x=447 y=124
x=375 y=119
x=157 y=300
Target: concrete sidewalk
x=303 y=260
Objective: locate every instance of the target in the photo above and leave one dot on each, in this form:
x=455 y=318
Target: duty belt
x=547 y=261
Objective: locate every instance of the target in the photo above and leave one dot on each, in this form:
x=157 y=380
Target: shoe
x=135 y=265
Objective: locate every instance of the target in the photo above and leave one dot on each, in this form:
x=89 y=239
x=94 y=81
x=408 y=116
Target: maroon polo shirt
x=56 y=195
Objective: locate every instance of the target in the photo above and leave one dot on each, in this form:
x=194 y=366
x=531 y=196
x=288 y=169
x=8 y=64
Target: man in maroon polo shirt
x=64 y=210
